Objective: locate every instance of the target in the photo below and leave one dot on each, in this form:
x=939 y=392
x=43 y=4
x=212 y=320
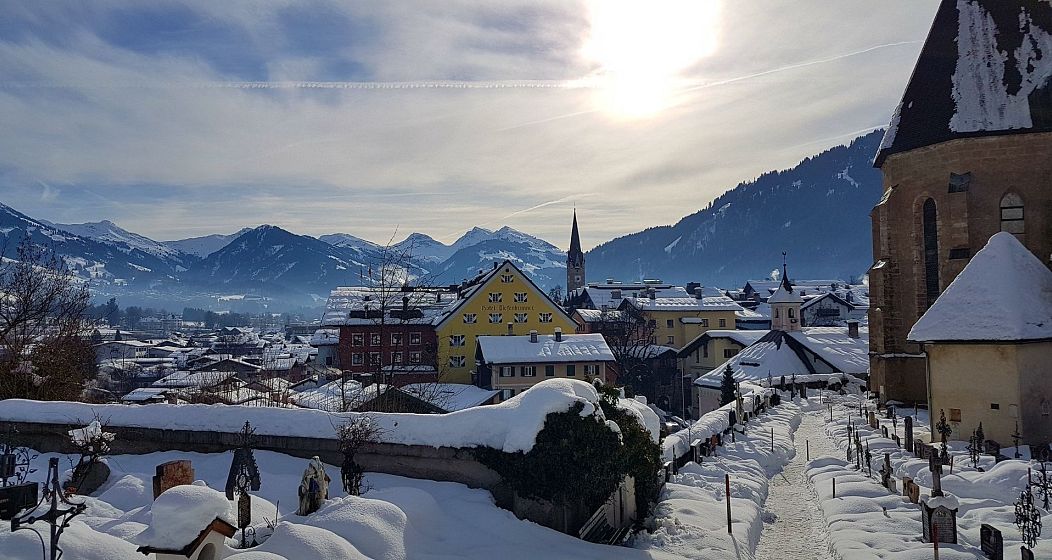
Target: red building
x=402 y=350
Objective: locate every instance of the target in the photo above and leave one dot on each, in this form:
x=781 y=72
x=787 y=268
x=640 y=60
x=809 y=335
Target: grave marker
x=991 y=542
x=170 y=474
x=908 y=426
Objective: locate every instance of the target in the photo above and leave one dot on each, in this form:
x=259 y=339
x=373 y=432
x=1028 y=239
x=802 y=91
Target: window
x=995 y=406
x=705 y=350
x=529 y=371
x=471 y=318
x=931 y=252
x=730 y=352
x=705 y=322
x=507 y=278
x=496 y=297
x=414 y=357
x=520 y=317
x=357 y=339
x=792 y=314
x=457 y=361
x=414 y=339
x=506 y=394
x=955 y=415
x=571 y=370
x=396 y=357
x=777 y=315
x=591 y=370
x=549 y=371
x=520 y=297
x=356 y=359
x=374 y=358
x=328 y=360
x=653 y=340
x=496 y=318
x=396 y=339
x=671 y=340
x=374 y=339
x=723 y=323
x=959 y=253
x=545 y=317
x=507 y=371
x=1012 y=214
x=670 y=323
x=457 y=340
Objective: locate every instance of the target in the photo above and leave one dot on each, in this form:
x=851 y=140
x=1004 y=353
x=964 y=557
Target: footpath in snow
x=794 y=528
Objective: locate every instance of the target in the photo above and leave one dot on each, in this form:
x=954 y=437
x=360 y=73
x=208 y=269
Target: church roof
x=785 y=292
x=575 y=254
x=984 y=70
x=1003 y=294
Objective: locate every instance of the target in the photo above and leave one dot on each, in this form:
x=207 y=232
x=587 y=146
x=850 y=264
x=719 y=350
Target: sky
x=379 y=118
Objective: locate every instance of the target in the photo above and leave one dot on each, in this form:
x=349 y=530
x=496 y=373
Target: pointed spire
x=785 y=275
x=575 y=237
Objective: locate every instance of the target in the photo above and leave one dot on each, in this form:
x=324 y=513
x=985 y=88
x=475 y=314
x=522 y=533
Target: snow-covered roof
x=1003 y=294
x=450 y=396
x=717 y=303
x=779 y=353
x=786 y=293
x=520 y=349
x=194 y=379
x=146 y=393
x=983 y=70
x=178 y=516
x=602 y=295
x=325 y=337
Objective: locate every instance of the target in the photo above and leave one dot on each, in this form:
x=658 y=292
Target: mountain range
x=817 y=211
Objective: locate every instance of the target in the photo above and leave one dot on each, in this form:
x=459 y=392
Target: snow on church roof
x=1003 y=294
x=984 y=69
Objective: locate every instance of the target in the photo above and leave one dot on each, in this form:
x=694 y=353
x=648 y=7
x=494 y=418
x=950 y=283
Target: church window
x=1012 y=214
x=931 y=252
x=792 y=313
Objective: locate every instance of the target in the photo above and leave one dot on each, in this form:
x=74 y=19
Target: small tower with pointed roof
x=574 y=260
x=785 y=304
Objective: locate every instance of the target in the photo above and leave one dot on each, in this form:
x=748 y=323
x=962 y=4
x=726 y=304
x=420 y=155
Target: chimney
x=438 y=297
x=699 y=292
x=609 y=280
x=651 y=293
x=533 y=336
x=511 y=330
x=558 y=334
x=852 y=329
x=615 y=294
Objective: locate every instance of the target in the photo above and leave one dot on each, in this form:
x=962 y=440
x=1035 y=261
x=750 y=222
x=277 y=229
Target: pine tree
x=727 y=387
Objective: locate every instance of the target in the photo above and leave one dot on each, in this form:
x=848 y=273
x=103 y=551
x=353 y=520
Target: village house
x=674 y=321
x=968 y=154
x=513 y=364
x=988 y=340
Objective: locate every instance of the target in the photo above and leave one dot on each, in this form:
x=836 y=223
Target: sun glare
x=642 y=47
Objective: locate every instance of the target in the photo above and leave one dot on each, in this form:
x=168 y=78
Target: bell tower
x=574 y=260
x=785 y=304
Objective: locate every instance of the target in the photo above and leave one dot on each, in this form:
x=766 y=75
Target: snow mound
x=302 y=542
x=179 y=515
x=377 y=528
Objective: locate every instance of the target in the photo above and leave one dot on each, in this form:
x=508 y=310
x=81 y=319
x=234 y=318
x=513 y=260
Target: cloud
x=188 y=117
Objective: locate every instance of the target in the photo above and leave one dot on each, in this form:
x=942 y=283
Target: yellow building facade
x=503 y=300
x=676 y=321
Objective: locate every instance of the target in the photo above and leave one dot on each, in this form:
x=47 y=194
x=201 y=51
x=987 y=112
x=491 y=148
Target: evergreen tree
x=727 y=387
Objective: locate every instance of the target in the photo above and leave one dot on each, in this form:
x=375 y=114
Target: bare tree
x=351 y=437
x=43 y=353
x=629 y=333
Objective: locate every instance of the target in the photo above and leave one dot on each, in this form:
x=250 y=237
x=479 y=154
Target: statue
x=314 y=488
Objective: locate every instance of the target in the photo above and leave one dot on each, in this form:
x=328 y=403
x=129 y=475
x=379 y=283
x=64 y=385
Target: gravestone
x=940 y=512
x=908 y=426
x=885 y=472
x=1026 y=553
x=314 y=487
x=991 y=542
x=88 y=477
x=897 y=440
x=910 y=489
x=884 y=431
x=803 y=391
x=172 y=473
x=872 y=416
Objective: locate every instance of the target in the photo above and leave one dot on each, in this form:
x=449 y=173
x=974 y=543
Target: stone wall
x=1018 y=163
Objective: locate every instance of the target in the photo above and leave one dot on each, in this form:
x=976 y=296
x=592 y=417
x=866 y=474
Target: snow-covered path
x=794 y=528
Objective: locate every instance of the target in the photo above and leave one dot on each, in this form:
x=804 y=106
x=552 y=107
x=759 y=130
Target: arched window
x=931 y=253
x=1012 y=213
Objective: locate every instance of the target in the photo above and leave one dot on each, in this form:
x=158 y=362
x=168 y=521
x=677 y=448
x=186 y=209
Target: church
x=968 y=154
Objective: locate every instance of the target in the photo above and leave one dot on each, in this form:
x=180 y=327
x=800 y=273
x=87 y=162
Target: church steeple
x=574 y=259
x=785 y=304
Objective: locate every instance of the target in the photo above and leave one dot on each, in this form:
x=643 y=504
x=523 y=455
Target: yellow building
x=987 y=340
x=675 y=321
x=500 y=302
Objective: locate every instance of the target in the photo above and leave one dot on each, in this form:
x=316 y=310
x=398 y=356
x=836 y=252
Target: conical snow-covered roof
x=785 y=293
x=1003 y=294
x=985 y=69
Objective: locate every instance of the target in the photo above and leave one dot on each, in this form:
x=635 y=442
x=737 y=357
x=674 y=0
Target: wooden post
x=772 y=440
x=727 y=480
x=808 y=444
x=834 y=486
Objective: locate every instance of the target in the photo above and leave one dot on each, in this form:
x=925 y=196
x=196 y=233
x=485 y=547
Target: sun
x=641 y=47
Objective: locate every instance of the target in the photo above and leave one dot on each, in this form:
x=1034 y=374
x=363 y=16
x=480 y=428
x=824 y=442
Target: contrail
x=846 y=134
x=409 y=85
x=523 y=211
x=799 y=65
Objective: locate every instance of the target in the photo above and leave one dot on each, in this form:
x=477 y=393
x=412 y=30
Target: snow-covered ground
x=690 y=520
